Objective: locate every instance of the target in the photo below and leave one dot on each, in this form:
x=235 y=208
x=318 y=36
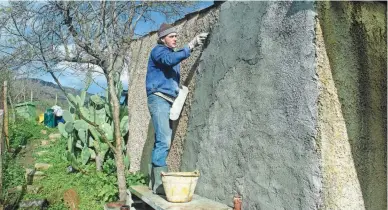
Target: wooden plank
x=159 y=202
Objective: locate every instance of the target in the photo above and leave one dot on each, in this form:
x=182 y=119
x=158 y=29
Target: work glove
x=198 y=40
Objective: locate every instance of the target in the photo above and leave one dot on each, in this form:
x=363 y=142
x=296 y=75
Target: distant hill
x=43 y=92
x=42 y=82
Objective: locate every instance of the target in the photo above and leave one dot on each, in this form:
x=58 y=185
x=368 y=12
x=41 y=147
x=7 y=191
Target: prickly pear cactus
x=108 y=129
x=85 y=113
x=67 y=116
x=80 y=124
x=78 y=145
x=124 y=125
x=72 y=109
x=96 y=99
x=98 y=116
x=72 y=99
x=126 y=162
x=85 y=155
x=92 y=153
x=107 y=110
x=83 y=136
x=84 y=142
x=83 y=97
x=61 y=128
x=69 y=127
x=70 y=144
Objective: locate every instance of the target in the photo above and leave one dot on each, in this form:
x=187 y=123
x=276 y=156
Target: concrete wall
x=287 y=105
x=352 y=103
x=252 y=125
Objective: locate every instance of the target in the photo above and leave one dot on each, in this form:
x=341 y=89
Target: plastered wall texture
x=342 y=188
x=139 y=115
x=141 y=130
x=252 y=125
x=287 y=105
x=352 y=67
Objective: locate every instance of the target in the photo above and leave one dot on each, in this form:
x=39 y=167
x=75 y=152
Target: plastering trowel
x=177 y=106
x=178 y=103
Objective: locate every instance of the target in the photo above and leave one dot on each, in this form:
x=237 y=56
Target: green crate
x=26 y=110
x=49 y=118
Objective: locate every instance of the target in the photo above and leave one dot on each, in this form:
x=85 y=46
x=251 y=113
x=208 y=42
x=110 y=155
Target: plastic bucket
x=41 y=118
x=179 y=186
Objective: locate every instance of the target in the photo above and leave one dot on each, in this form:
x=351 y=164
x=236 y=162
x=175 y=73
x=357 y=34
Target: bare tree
x=56 y=35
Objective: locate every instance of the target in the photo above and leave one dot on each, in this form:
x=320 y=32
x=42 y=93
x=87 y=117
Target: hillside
x=43 y=93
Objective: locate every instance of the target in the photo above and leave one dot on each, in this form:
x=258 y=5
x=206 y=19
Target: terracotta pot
x=115 y=204
x=237 y=200
x=125 y=207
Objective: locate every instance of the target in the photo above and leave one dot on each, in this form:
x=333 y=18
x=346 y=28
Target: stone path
x=34 y=171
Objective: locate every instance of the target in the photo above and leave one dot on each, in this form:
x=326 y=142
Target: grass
x=94 y=189
x=58 y=180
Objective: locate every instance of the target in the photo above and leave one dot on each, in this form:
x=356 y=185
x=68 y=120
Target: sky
x=69 y=79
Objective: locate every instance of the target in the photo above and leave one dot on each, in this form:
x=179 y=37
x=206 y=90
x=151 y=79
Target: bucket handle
x=196 y=173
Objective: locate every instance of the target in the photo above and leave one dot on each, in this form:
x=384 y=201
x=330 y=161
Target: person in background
x=58 y=112
x=162 y=87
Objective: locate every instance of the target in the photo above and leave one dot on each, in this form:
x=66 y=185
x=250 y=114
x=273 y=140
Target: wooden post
x=13 y=110
x=1 y=152
x=5 y=114
x=31 y=95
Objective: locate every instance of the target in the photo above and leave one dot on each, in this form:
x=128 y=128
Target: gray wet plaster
x=252 y=124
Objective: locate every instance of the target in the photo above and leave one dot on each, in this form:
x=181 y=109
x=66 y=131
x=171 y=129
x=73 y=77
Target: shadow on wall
x=147 y=149
x=355 y=39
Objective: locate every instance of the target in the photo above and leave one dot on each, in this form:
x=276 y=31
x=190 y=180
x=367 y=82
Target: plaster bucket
x=179 y=186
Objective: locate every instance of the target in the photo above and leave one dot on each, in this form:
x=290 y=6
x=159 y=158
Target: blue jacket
x=163 y=72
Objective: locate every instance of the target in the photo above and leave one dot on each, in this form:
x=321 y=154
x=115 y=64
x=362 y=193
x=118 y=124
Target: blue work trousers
x=160 y=115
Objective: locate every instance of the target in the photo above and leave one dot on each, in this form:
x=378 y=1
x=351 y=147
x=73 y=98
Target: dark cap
x=165 y=29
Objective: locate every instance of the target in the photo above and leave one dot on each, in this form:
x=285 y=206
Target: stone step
x=34 y=175
x=32 y=189
x=45 y=142
x=54 y=136
x=33 y=204
x=40 y=153
x=42 y=166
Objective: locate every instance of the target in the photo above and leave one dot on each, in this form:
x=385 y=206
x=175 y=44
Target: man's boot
x=158 y=185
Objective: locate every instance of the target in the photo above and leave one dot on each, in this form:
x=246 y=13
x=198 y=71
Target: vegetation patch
x=92 y=188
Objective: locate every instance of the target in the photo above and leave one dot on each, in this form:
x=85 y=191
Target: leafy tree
x=55 y=35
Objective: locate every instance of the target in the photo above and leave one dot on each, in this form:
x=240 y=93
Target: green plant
x=22 y=130
x=105 y=186
x=18 y=136
x=13 y=172
x=109 y=166
x=136 y=179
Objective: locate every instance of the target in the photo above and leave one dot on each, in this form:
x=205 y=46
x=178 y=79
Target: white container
x=179 y=186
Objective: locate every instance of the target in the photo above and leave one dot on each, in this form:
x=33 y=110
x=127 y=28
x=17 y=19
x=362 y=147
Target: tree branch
x=83 y=45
